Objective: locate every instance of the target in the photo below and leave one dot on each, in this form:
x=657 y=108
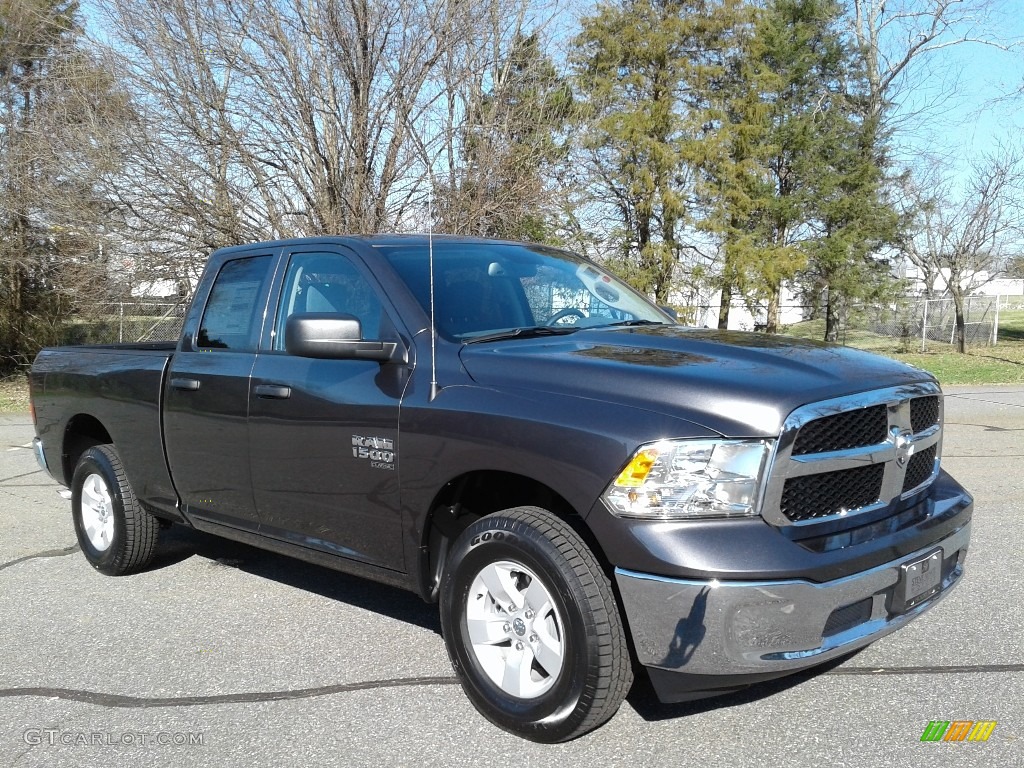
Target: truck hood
x=737 y=384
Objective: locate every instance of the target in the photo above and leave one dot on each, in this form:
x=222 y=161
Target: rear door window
x=233 y=311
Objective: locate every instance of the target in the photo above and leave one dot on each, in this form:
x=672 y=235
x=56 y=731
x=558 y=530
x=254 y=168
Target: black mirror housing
x=333 y=336
x=670 y=312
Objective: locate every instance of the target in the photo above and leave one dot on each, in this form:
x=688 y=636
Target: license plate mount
x=920 y=580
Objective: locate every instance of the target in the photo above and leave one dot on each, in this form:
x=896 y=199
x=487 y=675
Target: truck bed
x=117 y=387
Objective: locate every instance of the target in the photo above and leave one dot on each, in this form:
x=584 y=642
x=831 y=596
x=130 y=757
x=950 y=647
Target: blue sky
x=980 y=113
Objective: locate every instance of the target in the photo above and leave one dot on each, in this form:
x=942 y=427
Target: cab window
x=327 y=282
x=230 y=320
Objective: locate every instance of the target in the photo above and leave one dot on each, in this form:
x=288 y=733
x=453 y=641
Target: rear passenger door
x=324 y=433
x=206 y=399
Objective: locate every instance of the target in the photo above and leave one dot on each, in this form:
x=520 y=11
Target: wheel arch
x=82 y=432
x=477 y=493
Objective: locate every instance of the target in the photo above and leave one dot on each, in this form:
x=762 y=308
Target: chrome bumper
x=733 y=628
x=37 y=449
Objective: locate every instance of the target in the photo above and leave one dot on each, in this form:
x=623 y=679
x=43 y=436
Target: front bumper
x=703 y=637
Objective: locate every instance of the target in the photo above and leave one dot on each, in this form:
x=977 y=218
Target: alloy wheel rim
x=515 y=631
x=97 y=512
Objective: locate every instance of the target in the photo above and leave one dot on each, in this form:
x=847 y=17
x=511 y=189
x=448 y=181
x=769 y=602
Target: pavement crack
x=37 y=555
x=118 y=701
x=983 y=400
x=986 y=427
x=951 y=670
x=23 y=474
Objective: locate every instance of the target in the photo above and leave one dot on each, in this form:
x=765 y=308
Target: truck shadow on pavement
x=179 y=543
x=645 y=702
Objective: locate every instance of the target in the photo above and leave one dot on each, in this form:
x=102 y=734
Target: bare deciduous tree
x=898 y=40
x=504 y=124
x=263 y=119
x=61 y=118
x=965 y=235
x=278 y=118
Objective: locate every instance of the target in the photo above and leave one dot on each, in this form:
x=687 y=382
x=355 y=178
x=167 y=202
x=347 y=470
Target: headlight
x=683 y=479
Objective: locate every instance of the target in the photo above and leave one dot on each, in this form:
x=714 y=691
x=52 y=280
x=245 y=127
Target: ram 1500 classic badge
x=379 y=450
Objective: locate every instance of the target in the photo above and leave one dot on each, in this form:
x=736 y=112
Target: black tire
x=595 y=672
x=129 y=539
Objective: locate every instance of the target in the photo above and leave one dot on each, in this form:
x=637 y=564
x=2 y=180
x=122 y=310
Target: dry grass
x=14 y=395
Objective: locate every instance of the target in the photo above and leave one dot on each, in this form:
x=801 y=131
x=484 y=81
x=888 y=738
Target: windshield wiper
x=633 y=322
x=529 y=332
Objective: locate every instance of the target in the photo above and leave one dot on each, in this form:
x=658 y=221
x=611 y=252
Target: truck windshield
x=484 y=289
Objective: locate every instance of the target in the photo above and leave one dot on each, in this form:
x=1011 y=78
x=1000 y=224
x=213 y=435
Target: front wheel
x=532 y=627
x=115 y=533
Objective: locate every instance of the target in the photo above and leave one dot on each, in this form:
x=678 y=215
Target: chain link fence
x=906 y=325
x=916 y=324
x=121 y=322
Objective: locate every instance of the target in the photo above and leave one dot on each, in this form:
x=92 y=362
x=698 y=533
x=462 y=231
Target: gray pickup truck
x=586 y=488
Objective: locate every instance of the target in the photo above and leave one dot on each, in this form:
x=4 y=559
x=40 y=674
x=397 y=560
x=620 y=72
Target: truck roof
x=419 y=238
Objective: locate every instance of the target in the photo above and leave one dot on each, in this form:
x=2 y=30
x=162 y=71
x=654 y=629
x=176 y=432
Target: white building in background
x=986 y=285
x=124 y=270
x=740 y=316
x=1002 y=286
x=155 y=289
x=791 y=311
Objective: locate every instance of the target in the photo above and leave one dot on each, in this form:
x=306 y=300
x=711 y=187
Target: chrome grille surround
x=895 y=452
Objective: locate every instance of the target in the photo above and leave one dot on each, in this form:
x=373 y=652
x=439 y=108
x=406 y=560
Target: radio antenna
x=430 y=252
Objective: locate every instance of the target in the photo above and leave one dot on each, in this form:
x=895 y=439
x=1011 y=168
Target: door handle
x=189 y=385
x=274 y=391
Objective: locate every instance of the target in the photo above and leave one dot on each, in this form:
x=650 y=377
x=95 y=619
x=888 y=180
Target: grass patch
x=14 y=394
x=1011 y=327
x=1001 y=364
x=995 y=365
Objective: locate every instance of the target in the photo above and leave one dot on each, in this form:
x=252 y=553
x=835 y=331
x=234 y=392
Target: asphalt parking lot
x=225 y=655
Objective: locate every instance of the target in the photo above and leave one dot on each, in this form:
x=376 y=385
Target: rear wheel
x=115 y=533
x=532 y=627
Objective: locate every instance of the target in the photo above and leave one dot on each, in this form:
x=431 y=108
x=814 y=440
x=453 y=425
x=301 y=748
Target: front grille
x=919 y=468
x=852 y=429
x=857 y=454
x=924 y=413
x=831 y=493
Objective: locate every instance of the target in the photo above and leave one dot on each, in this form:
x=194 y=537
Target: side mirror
x=333 y=336
x=670 y=312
